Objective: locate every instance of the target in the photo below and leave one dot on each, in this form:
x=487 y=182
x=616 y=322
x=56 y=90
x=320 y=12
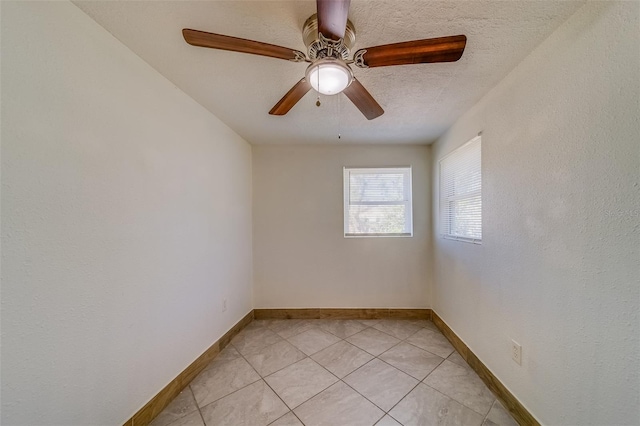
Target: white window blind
x=461 y=193
x=377 y=202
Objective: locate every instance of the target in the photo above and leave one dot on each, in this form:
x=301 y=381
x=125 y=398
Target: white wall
x=301 y=258
x=126 y=218
x=558 y=268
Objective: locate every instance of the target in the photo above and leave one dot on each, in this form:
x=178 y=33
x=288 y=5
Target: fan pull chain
x=318 y=100
x=339 y=116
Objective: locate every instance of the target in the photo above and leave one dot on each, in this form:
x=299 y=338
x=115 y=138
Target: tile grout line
x=422 y=382
x=261 y=378
x=311 y=397
x=289 y=365
x=374 y=357
x=197 y=406
x=306 y=356
x=280 y=369
x=419 y=381
x=340 y=380
x=230 y=393
x=401 y=399
x=487 y=415
x=285 y=404
x=315 y=393
x=442 y=393
x=356 y=391
x=377 y=357
x=422 y=349
x=459 y=402
x=290 y=411
x=265 y=382
x=418 y=384
x=321 y=366
x=341 y=339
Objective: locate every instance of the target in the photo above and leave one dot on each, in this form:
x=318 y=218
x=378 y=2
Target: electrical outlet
x=516 y=352
x=224 y=304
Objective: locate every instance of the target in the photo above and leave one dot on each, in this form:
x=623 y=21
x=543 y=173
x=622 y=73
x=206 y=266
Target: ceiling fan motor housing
x=319 y=47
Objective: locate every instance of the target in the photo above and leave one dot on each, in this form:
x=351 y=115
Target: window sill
x=378 y=235
x=463 y=239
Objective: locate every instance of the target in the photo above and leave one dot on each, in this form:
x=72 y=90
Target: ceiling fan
x=329 y=37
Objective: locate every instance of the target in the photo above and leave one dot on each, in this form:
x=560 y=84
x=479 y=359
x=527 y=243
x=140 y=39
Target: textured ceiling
x=420 y=101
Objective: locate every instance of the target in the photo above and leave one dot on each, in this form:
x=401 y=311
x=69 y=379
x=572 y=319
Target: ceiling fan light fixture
x=329 y=76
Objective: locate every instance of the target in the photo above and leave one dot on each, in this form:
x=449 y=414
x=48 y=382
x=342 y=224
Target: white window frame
x=444 y=201
x=407 y=202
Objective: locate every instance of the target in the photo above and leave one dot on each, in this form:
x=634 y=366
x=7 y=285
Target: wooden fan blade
x=291 y=98
x=443 y=49
x=234 y=44
x=363 y=100
x=332 y=17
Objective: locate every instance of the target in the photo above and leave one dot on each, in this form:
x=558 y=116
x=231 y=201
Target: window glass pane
x=377 y=202
x=377 y=219
x=466 y=180
x=465 y=219
x=366 y=187
x=461 y=192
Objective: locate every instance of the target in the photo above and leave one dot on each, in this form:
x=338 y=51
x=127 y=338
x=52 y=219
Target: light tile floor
x=337 y=372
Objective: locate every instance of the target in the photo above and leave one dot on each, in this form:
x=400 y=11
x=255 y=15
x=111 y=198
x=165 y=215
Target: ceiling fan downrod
x=319 y=46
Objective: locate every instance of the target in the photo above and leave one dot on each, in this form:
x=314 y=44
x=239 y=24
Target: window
x=461 y=193
x=377 y=202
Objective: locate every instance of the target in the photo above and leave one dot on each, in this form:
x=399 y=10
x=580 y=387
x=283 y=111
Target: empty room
x=330 y=212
